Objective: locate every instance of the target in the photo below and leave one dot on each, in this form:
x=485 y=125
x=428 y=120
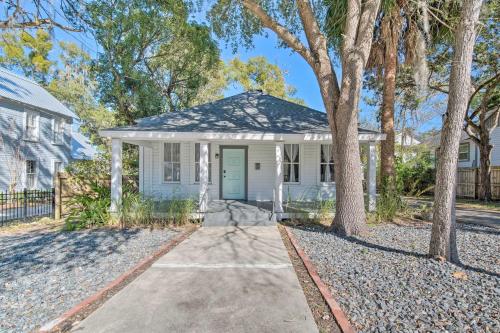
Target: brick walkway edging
x=338 y=314
x=142 y=265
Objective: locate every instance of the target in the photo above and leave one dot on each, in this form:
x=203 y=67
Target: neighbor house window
x=58 y=131
x=172 y=162
x=57 y=167
x=464 y=152
x=327 y=169
x=291 y=163
x=197 y=162
x=30 y=174
x=32 y=119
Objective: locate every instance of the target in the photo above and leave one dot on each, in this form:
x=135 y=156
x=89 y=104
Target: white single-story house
x=251 y=146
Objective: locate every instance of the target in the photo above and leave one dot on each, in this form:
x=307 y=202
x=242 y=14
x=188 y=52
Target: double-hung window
x=57 y=167
x=30 y=174
x=31 y=129
x=291 y=164
x=464 y=152
x=58 y=131
x=171 y=162
x=197 y=163
x=327 y=169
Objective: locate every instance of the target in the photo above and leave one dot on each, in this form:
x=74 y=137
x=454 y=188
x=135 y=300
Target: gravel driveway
x=385 y=283
x=44 y=274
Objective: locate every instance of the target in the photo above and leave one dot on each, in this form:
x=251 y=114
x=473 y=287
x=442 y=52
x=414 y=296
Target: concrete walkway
x=221 y=279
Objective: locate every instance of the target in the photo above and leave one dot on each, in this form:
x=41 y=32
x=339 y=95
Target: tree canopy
x=153 y=60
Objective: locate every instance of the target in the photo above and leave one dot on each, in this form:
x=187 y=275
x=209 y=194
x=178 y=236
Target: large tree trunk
x=485 y=169
x=392 y=34
x=350 y=209
x=341 y=104
x=443 y=242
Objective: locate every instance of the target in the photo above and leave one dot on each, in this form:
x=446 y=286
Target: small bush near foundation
x=179 y=211
x=136 y=210
x=325 y=208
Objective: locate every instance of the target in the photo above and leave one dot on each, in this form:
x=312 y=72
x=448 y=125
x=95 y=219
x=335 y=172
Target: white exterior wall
x=473 y=161
x=43 y=151
x=495 y=141
x=260 y=182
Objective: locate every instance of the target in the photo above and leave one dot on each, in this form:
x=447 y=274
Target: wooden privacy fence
x=67 y=187
x=468 y=182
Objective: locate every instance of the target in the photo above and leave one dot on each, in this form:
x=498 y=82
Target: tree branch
x=495 y=78
x=4 y=25
x=290 y=39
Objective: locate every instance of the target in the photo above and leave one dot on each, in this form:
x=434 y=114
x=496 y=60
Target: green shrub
x=389 y=201
x=90 y=209
x=324 y=209
x=136 y=210
x=179 y=210
x=415 y=173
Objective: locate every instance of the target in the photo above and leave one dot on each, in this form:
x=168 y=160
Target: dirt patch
x=319 y=308
x=43 y=224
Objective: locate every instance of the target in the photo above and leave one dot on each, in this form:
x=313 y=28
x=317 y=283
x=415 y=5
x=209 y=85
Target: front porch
x=202 y=169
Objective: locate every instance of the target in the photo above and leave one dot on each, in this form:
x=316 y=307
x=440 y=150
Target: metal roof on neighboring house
x=81 y=147
x=248 y=112
x=26 y=91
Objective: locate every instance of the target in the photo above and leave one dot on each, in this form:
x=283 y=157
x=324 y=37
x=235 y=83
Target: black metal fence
x=26 y=204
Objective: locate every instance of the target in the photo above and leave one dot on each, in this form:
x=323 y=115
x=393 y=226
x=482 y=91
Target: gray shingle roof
x=249 y=112
x=23 y=90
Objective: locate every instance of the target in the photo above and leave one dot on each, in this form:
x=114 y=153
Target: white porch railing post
x=372 y=177
x=116 y=174
x=278 y=185
x=203 y=176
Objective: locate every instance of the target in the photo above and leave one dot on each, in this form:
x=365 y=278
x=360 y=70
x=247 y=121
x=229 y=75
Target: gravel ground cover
x=44 y=274
x=385 y=283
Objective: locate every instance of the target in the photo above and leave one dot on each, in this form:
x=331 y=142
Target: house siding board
x=43 y=151
x=260 y=182
x=495 y=141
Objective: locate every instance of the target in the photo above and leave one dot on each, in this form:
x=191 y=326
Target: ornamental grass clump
x=179 y=211
x=136 y=210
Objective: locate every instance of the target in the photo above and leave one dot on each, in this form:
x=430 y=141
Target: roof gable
x=23 y=90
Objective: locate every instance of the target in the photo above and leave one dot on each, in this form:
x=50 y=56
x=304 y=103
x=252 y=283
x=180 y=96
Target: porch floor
x=239 y=213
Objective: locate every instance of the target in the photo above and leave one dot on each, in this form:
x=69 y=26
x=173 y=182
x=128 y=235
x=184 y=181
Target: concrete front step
x=237 y=213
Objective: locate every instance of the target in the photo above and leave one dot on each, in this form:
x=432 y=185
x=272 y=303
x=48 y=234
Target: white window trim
x=54 y=161
x=25 y=125
x=211 y=162
x=300 y=163
x=62 y=130
x=319 y=169
x=468 y=152
x=35 y=182
x=162 y=163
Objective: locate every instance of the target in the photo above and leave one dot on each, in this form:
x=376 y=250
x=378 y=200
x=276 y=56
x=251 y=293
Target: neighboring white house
x=35 y=133
x=251 y=146
x=469 y=156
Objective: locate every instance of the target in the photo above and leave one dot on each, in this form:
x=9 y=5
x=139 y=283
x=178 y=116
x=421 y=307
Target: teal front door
x=233 y=173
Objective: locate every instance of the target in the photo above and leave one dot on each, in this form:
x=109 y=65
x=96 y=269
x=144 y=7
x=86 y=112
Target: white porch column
x=278 y=185
x=116 y=174
x=203 y=176
x=372 y=176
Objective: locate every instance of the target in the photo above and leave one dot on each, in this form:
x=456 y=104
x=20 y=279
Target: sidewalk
x=221 y=279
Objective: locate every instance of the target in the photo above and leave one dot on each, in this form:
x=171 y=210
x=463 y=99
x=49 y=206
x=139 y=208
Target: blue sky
x=297 y=71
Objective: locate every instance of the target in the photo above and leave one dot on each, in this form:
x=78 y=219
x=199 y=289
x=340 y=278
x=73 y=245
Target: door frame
x=221 y=167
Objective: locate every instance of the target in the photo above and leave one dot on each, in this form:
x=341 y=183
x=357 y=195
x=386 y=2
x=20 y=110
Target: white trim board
x=131 y=136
